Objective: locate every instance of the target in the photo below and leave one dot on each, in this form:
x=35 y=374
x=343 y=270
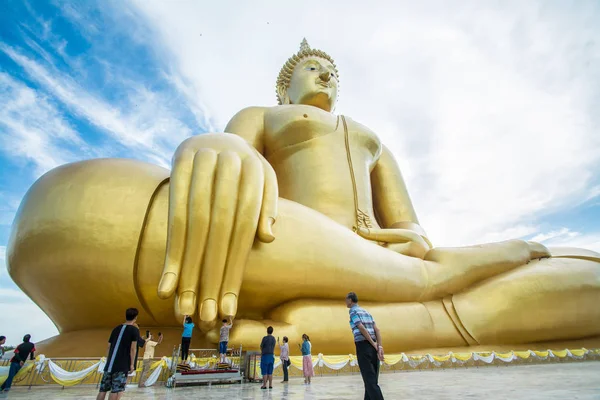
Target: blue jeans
x=15 y=367
x=223 y=347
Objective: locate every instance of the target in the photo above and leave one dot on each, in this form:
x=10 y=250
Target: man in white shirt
x=148 y=356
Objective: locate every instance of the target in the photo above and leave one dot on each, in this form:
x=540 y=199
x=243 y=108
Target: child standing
x=224 y=338
x=307 y=364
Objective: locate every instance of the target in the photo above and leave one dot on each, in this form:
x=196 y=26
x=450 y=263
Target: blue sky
x=491 y=112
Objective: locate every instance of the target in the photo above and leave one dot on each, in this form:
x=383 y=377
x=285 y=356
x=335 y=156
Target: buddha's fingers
x=201 y=190
x=392 y=236
x=244 y=232
x=177 y=226
x=225 y=198
x=268 y=211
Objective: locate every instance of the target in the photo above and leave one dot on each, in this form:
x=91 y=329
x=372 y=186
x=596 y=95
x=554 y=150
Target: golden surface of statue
x=274 y=222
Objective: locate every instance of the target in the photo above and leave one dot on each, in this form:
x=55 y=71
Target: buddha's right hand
x=223 y=194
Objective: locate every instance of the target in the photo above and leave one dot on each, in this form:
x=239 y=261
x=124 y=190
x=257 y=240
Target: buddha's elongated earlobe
x=282 y=95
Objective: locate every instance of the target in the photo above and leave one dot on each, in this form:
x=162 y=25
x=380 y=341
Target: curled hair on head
x=285 y=74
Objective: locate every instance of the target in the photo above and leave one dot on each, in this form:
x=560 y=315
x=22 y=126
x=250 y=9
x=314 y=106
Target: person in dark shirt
x=24 y=350
x=122 y=346
x=267 y=358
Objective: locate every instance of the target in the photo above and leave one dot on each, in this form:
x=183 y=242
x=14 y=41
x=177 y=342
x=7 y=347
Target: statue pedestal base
x=93 y=343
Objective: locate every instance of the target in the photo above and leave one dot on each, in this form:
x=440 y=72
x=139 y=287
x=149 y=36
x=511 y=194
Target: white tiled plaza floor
x=553 y=381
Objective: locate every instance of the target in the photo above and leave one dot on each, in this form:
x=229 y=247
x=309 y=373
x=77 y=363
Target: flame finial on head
x=285 y=74
x=304 y=46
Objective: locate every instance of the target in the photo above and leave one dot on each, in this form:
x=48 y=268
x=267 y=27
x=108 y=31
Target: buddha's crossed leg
x=546 y=300
x=314 y=257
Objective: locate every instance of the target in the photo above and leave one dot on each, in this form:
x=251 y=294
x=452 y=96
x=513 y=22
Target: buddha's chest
x=291 y=125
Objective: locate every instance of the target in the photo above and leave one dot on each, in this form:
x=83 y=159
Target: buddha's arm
x=392 y=203
x=250 y=125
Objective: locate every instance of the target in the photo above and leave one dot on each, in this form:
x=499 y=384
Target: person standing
x=122 y=346
x=224 y=338
x=267 y=358
x=24 y=350
x=284 y=356
x=141 y=342
x=369 y=348
x=186 y=337
x=148 y=356
x=307 y=363
x=2 y=341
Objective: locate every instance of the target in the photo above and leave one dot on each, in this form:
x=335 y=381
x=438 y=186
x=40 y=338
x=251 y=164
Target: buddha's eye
x=313 y=68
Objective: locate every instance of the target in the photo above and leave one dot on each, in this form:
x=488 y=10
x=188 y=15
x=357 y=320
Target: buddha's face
x=314 y=83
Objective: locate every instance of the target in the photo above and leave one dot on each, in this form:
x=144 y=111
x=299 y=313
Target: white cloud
x=144 y=124
x=490 y=111
x=21 y=316
x=565 y=237
x=32 y=128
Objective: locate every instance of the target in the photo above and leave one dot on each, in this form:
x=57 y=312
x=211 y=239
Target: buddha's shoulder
x=357 y=126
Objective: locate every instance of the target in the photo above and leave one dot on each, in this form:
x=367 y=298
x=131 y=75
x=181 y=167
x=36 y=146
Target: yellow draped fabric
x=560 y=353
x=463 y=356
x=579 y=352
x=334 y=362
x=392 y=359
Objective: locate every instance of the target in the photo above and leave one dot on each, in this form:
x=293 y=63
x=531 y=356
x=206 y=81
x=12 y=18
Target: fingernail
x=187 y=303
x=229 y=305
x=208 y=310
x=167 y=285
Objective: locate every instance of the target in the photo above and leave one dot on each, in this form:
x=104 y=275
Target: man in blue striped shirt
x=369 y=348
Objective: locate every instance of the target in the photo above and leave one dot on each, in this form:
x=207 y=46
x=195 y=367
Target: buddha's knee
x=550 y=299
x=74 y=240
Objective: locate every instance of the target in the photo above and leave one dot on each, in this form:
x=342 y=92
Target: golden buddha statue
x=274 y=222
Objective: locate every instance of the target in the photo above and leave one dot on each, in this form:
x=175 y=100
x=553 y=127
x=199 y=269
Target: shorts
x=267 y=361
x=223 y=347
x=113 y=382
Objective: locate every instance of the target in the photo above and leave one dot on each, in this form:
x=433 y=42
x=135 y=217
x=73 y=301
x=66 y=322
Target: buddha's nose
x=325 y=75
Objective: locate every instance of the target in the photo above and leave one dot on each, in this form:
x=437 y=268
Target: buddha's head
x=309 y=77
